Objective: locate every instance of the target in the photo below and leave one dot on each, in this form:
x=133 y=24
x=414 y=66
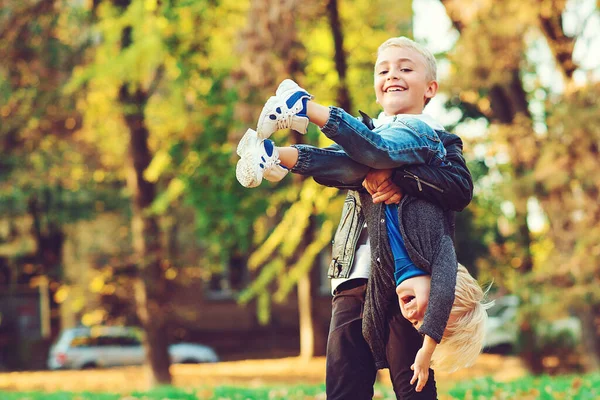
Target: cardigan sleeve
x=441 y=295
x=431 y=248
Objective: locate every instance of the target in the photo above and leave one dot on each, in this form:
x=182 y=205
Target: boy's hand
x=421 y=368
x=380 y=186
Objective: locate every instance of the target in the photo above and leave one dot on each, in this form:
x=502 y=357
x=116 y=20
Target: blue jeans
x=404 y=141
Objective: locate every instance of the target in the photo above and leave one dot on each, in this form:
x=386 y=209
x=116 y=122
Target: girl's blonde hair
x=404 y=42
x=465 y=332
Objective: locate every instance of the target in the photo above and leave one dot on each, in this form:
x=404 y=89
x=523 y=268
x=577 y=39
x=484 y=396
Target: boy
x=404 y=83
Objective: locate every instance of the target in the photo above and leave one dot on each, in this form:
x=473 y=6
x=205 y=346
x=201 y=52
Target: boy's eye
x=383 y=72
x=405 y=69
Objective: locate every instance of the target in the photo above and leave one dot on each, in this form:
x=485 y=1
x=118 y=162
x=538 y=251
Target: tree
x=47 y=171
x=139 y=86
x=492 y=68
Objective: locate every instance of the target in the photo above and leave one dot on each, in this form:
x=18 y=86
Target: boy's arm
x=449 y=187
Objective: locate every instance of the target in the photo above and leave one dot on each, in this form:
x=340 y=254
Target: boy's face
x=413 y=295
x=401 y=83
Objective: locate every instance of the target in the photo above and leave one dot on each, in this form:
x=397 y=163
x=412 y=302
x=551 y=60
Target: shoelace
x=269 y=163
x=286 y=120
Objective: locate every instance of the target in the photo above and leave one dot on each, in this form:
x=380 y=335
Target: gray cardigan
x=427 y=233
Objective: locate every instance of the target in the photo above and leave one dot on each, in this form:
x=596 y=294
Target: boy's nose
x=394 y=73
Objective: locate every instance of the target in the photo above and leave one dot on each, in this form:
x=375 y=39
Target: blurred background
x=119 y=205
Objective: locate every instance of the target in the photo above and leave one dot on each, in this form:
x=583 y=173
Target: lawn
x=586 y=387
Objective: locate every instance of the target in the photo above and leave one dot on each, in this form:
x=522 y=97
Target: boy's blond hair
x=406 y=43
x=465 y=331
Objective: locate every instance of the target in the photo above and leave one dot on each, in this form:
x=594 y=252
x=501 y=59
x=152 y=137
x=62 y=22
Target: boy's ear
x=432 y=89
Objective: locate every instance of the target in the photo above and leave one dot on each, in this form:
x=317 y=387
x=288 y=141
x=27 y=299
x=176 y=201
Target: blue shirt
x=404 y=267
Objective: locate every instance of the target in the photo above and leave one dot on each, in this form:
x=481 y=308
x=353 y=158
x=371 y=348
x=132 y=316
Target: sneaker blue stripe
x=294 y=98
x=268 y=145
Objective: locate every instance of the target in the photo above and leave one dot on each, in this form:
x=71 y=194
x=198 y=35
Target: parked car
x=111 y=346
x=502 y=330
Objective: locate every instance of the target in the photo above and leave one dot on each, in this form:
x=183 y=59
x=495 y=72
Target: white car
x=502 y=330
x=111 y=346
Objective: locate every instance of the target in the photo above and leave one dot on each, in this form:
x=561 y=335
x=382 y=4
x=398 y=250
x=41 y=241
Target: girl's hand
x=422 y=361
x=421 y=369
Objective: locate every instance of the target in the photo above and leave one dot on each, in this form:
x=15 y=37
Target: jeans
x=401 y=142
x=350 y=369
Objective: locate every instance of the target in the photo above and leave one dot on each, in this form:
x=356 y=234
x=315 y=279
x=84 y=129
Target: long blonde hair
x=465 y=332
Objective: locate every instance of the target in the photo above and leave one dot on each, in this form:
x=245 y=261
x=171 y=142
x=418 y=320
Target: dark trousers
x=350 y=369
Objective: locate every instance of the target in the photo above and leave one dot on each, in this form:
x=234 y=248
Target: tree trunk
x=561 y=45
x=151 y=289
x=341 y=65
x=590 y=338
x=307 y=332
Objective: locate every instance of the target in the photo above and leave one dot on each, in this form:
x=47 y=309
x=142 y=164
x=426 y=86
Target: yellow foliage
x=61 y=294
x=97 y=283
x=171 y=273
x=159 y=163
x=95 y=317
x=306 y=261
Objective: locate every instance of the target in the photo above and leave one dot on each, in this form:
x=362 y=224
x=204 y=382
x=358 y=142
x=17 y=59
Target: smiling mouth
x=394 y=89
x=406 y=300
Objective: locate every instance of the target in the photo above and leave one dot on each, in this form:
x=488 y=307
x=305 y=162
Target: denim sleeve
x=330 y=166
x=393 y=146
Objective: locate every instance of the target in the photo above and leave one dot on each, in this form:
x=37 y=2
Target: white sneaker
x=259 y=159
x=287 y=109
x=276 y=173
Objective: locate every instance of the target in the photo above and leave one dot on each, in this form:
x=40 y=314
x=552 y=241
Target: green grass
x=586 y=387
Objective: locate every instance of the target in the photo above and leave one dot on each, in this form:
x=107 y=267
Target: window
x=82 y=341
x=233 y=278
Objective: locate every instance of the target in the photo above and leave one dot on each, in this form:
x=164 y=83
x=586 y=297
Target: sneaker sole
x=246 y=174
x=246 y=169
x=249 y=139
x=267 y=110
